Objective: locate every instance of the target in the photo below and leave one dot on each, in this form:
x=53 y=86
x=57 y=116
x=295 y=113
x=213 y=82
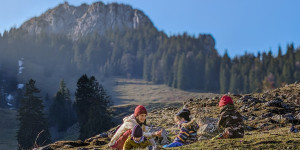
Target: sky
x=237 y=26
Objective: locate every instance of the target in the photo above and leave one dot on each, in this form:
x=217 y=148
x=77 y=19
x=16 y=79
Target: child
x=136 y=140
x=188 y=129
x=231 y=121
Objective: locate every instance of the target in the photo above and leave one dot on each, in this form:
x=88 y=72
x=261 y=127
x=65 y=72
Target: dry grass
x=138 y=91
x=273 y=139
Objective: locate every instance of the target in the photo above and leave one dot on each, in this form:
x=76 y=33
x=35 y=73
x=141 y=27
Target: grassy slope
x=273 y=139
x=8 y=128
x=138 y=91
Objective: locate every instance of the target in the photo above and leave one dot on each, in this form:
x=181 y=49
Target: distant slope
x=8 y=129
x=138 y=91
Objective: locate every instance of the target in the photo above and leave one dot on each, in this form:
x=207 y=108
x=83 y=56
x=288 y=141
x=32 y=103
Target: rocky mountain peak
x=78 y=21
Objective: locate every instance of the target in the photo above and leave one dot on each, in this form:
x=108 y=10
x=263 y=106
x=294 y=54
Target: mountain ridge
x=79 y=21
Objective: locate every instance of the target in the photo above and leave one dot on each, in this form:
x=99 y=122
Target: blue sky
x=236 y=25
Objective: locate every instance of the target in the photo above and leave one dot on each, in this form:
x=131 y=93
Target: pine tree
x=199 y=69
x=236 y=81
x=92 y=104
x=3 y=103
x=225 y=73
x=182 y=81
x=212 y=70
x=33 y=129
x=61 y=113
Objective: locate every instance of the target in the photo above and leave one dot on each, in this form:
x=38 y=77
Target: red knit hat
x=140 y=109
x=225 y=100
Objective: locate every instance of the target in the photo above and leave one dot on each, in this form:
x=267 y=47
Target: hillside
x=267 y=118
x=126 y=94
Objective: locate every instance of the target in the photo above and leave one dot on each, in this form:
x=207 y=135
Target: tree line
x=180 y=61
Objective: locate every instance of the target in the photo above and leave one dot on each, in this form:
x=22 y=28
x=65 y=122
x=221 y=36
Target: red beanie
x=140 y=109
x=225 y=100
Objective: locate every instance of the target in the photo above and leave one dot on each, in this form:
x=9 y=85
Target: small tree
x=33 y=127
x=61 y=113
x=92 y=104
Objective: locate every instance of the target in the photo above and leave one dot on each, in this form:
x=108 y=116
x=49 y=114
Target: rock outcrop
x=85 y=19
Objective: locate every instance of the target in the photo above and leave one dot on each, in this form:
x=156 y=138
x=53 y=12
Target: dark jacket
x=231 y=123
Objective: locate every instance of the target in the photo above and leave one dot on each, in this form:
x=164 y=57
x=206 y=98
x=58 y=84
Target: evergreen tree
x=61 y=113
x=225 y=73
x=236 y=81
x=199 y=71
x=92 y=102
x=212 y=70
x=33 y=129
x=3 y=103
x=182 y=81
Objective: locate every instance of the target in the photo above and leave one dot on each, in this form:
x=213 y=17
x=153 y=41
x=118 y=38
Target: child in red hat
x=231 y=121
x=124 y=131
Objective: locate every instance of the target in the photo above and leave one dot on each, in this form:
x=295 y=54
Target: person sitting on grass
x=137 y=118
x=188 y=129
x=136 y=140
x=231 y=121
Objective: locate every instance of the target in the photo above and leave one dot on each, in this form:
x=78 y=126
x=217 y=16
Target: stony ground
x=267 y=117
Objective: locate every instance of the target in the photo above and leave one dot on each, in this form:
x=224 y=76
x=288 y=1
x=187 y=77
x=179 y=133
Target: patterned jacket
x=231 y=123
x=131 y=144
x=188 y=132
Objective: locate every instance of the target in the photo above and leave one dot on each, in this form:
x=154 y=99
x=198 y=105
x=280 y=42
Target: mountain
x=76 y=22
x=102 y=40
x=107 y=40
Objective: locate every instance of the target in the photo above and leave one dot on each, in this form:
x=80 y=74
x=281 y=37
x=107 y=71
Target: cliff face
x=85 y=19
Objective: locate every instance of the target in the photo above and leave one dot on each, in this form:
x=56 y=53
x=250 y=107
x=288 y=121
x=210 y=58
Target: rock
x=298 y=116
x=244 y=108
x=249 y=128
x=262 y=125
x=245 y=118
x=274 y=103
x=98 y=142
x=276 y=110
x=252 y=118
x=248 y=100
x=267 y=115
x=43 y=148
x=68 y=146
x=82 y=149
x=207 y=128
x=85 y=19
x=202 y=138
x=216 y=98
x=287 y=118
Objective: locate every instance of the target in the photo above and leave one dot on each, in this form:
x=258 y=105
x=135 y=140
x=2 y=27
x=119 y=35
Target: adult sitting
x=138 y=118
